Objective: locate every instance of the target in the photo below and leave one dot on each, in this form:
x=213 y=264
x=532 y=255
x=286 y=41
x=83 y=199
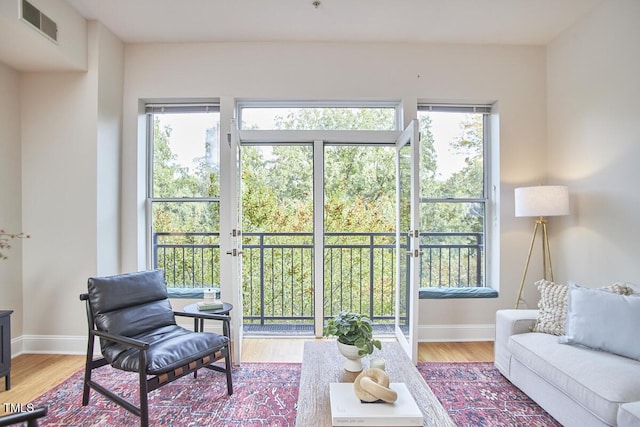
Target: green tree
x=173 y=181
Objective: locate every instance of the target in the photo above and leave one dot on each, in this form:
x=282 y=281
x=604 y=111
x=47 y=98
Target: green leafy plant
x=353 y=329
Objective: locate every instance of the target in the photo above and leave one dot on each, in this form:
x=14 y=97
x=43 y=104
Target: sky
x=188 y=134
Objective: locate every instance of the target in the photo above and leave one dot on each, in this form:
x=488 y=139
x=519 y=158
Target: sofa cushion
x=553 y=305
x=596 y=380
x=629 y=415
x=603 y=321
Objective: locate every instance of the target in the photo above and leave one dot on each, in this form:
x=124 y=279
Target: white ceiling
x=530 y=22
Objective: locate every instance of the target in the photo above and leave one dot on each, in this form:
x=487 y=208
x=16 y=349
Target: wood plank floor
x=34 y=374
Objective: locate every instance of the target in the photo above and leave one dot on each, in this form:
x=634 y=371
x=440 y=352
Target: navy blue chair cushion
x=169 y=347
x=130 y=304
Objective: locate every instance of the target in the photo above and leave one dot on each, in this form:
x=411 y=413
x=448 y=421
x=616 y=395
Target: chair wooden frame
x=147 y=382
x=30 y=417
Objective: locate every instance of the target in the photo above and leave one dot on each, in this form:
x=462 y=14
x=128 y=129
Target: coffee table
x=322 y=364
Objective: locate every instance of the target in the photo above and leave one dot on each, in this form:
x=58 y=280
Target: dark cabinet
x=5 y=347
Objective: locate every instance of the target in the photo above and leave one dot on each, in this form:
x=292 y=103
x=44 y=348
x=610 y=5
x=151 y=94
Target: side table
x=221 y=314
x=5 y=347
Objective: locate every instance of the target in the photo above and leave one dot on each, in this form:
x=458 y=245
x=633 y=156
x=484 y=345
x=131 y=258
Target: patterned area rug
x=476 y=394
x=264 y=394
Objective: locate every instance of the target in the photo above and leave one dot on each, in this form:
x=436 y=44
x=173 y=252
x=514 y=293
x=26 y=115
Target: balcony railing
x=359 y=270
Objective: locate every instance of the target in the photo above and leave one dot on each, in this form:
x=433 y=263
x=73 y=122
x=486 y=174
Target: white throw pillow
x=603 y=321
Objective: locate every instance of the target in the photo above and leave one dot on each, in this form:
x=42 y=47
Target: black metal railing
x=189 y=260
x=359 y=270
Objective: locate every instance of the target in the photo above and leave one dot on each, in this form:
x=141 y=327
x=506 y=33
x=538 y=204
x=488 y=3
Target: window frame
x=150 y=110
x=487 y=199
x=391 y=104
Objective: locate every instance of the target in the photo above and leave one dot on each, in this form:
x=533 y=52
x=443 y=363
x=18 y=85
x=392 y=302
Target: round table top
x=193 y=309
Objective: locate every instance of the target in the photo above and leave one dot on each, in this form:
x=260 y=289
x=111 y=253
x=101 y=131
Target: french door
x=235 y=251
x=407 y=238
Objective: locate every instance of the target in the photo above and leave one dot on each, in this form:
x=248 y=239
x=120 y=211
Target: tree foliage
x=277 y=197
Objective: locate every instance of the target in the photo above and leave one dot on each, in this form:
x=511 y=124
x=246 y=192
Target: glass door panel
x=359 y=223
x=407 y=239
x=236 y=252
x=277 y=197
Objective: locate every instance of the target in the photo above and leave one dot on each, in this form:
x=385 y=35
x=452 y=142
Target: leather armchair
x=132 y=316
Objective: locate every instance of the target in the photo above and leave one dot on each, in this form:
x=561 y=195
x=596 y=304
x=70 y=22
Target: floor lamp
x=540 y=202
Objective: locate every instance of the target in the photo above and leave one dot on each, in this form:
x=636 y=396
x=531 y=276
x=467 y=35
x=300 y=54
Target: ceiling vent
x=42 y=22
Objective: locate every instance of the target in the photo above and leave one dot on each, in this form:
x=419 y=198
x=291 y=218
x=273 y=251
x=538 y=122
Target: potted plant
x=355 y=337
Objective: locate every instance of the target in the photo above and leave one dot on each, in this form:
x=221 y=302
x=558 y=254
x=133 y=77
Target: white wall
x=109 y=63
x=10 y=195
x=594 y=143
x=59 y=182
x=71 y=134
x=515 y=77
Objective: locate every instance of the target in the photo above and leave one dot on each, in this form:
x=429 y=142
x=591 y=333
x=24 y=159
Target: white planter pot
x=350 y=352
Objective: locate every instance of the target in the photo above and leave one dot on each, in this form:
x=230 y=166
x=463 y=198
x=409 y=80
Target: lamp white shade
x=542 y=200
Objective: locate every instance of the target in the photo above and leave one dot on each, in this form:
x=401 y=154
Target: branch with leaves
x=5 y=240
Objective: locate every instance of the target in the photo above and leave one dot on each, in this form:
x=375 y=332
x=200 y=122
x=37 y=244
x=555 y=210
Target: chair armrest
x=20 y=417
x=222 y=317
x=122 y=339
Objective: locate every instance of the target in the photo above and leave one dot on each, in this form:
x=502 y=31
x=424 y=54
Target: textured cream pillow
x=553 y=305
x=553 y=308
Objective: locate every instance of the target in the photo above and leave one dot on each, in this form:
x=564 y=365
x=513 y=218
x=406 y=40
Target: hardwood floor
x=456 y=351
x=34 y=374
x=290 y=350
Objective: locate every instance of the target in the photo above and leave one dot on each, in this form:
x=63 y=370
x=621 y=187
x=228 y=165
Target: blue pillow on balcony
x=193 y=293
x=447 y=293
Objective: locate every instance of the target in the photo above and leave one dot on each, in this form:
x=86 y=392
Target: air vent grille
x=42 y=22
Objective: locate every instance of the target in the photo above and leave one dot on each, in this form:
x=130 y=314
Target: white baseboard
x=456 y=333
x=67 y=344
x=48 y=344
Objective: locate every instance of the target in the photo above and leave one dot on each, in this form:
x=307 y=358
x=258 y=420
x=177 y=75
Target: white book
x=348 y=410
x=209 y=305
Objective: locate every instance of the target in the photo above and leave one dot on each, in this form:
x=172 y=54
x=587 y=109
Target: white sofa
x=578 y=386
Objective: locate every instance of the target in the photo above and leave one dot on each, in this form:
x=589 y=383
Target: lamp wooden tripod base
x=546 y=256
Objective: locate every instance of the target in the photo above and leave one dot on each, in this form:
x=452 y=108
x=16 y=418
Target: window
x=453 y=195
x=319 y=116
x=184 y=192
